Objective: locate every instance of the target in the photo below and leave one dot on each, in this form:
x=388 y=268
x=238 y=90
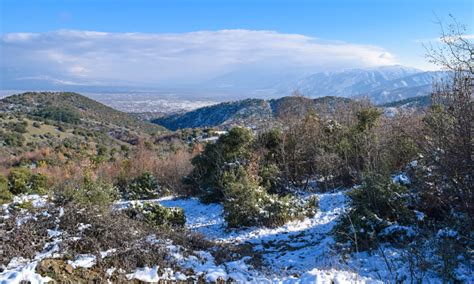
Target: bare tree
x=454 y=51
x=448 y=134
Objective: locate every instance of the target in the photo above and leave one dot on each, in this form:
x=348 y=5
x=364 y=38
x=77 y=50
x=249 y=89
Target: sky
x=137 y=42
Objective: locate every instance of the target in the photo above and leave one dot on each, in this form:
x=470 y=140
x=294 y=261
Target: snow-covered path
x=293 y=248
x=297 y=250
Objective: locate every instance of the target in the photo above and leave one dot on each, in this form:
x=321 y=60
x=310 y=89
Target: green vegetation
x=232 y=149
x=21 y=181
x=223 y=173
x=19 y=127
x=376 y=205
x=61 y=114
x=10 y=139
x=144 y=186
x=5 y=195
x=156 y=214
x=87 y=193
x=247 y=204
x=57 y=106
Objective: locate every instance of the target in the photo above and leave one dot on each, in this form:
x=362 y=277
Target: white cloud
x=441 y=39
x=174 y=58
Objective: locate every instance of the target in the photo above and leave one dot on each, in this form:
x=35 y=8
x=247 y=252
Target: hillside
x=415 y=102
x=87 y=108
x=220 y=114
x=249 y=112
x=32 y=121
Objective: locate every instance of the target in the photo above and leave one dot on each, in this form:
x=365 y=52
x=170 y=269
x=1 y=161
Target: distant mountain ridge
x=380 y=85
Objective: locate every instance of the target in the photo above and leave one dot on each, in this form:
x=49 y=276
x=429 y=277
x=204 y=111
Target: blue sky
x=387 y=30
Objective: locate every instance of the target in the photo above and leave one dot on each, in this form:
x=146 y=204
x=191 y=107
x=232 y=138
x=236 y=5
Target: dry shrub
x=24 y=240
x=398 y=138
x=115 y=230
x=108 y=229
x=169 y=168
x=173 y=168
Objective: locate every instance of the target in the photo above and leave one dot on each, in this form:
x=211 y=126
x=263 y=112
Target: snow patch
x=83 y=260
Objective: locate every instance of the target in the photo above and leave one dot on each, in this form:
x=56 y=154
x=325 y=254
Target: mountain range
x=379 y=84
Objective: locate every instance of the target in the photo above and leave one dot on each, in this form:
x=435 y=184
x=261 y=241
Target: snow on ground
x=20 y=270
x=24 y=272
x=83 y=260
x=298 y=252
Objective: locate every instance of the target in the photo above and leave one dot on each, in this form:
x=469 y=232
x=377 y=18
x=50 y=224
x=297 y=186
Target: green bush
x=11 y=139
x=144 y=186
x=230 y=149
x=5 y=195
x=378 y=212
x=270 y=178
x=19 y=127
x=248 y=204
x=23 y=181
x=157 y=214
x=62 y=114
x=88 y=193
x=26 y=205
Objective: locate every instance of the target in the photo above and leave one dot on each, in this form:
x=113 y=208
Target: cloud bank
x=88 y=57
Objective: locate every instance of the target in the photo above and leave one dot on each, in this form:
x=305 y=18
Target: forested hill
x=249 y=112
x=415 y=102
x=72 y=105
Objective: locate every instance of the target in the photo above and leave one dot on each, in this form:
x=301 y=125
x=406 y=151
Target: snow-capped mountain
x=381 y=85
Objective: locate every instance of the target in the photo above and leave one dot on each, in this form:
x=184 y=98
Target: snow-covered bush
x=156 y=214
x=378 y=212
x=248 y=204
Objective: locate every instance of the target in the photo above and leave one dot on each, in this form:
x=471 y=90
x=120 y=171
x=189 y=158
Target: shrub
x=270 y=178
x=19 y=127
x=12 y=139
x=144 y=186
x=89 y=193
x=5 y=195
x=247 y=204
x=378 y=212
x=26 y=205
x=157 y=214
x=230 y=149
x=446 y=176
x=62 y=114
x=21 y=181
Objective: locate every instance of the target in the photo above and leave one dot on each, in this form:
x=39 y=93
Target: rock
x=69 y=269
